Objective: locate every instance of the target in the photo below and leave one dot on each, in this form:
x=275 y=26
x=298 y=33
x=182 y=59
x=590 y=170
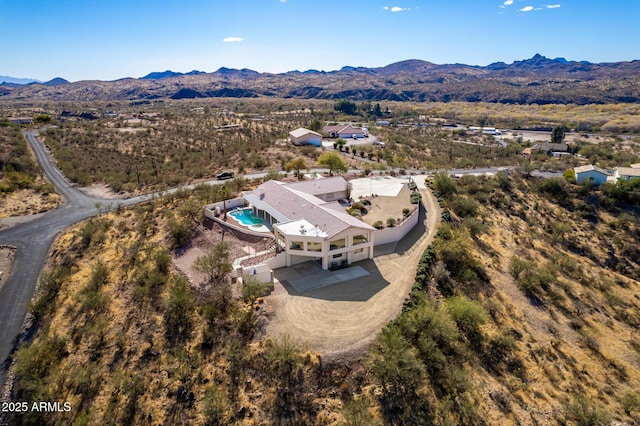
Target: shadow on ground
x=357 y=283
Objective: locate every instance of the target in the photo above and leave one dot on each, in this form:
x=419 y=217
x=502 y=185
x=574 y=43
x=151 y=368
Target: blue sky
x=107 y=40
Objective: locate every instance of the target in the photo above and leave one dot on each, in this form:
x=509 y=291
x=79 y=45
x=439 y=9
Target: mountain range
x=538 y=80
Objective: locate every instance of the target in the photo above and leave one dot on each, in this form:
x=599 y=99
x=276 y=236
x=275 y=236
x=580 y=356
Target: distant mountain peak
x=17 y=80
x=244 y=72
x=56 y=82
x=159 y=75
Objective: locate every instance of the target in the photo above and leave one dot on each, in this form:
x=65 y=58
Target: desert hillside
x=537 y=80
x=524 y=312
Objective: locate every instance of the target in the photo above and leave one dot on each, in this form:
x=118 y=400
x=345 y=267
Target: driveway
x=343 y=318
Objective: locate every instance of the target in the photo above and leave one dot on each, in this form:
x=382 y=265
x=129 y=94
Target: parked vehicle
x=224 y=175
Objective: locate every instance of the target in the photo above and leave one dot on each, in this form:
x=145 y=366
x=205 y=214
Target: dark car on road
x=224 y=175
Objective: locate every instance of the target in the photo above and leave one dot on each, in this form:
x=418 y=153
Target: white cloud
x=508 y=2
x=553 y=6
x=526 y=9
x=283 y=1
x=398 y=9
x=232 y=39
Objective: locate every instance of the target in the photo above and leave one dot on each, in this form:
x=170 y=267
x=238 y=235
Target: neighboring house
x=596 y=175
x=549 y=148
x=308 y=223
x=304 y=136
x=342 y=131
x=20 y=120
x=485 y=130
x=626 y=173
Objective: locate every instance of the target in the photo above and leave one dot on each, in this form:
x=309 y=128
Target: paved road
x=33 y=240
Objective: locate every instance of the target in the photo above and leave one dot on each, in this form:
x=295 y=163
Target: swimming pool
x=245 y=216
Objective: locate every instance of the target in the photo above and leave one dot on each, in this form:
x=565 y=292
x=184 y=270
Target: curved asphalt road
x=33 y=240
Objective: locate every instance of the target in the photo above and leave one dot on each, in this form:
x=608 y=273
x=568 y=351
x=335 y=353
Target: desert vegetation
x=23 y=190
x=524 y=309
x=152 y=145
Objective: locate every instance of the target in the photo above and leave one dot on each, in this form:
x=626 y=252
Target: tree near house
x=558 y=133
x=296 y=165
x=216 y=264
x=346 y=106
x=315 y=125
x=333 y=161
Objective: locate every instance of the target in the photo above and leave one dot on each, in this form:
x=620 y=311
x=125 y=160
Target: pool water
x=246 y=217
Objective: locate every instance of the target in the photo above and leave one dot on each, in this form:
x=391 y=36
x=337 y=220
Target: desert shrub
x=554 y=187
x=355 y=213
x=162 y=259
x=285 y=364
x=378 y=224
x=253 y=289
x=631 y=402
x=445 y=186
x=500 y=348
x=584 y=412
x=468 y=315
x=569 y=176
x=215 y=406
x=453 y=249
x=391 y=222
x=34 y=362
x=93 y=301
x=474 y=226
x=465 y=206
x=359 y=206
x=92 y=230
x=147 y=283
x=216 y=264
x=178 y=316
x=356 y=413
x=180 y=231
x=397 y=368
x=49 y=286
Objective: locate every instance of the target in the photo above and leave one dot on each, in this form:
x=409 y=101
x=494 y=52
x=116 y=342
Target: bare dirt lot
x=27 y=202
x=240 y=245
x=343 y=318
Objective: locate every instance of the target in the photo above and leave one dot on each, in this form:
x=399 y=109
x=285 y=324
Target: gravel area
x=240 y=245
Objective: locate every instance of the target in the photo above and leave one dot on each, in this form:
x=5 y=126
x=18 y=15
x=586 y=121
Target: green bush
x=444 y=185
x=253 y=289
x=179 y=305
x=49 y=286
x=180 y=231
x=468 y=315
x=465 y=206
x=584 y=412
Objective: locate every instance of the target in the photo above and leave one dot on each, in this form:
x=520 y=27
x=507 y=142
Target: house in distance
x=304 y=136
